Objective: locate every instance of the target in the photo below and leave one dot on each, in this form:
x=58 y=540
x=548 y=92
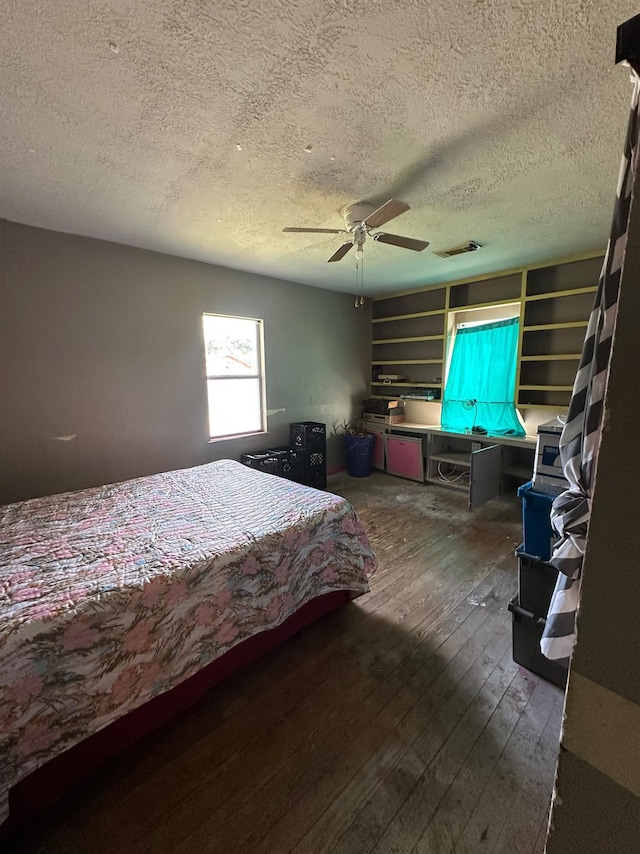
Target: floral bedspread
x=114 y=594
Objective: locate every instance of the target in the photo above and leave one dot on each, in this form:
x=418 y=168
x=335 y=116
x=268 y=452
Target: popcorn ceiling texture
x=202 y=128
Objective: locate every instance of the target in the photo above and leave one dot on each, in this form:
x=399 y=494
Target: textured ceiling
x=201 y=128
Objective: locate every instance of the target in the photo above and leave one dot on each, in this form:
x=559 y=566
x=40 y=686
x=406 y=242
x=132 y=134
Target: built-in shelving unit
x=411 y=330
x=557 y=301
x=485 y=292
x=409 y=334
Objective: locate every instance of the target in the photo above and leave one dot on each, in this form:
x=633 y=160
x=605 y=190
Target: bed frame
x=49 y=783
x=125 y=603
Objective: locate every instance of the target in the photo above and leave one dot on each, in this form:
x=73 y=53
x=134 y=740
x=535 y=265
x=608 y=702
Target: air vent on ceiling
x=470 y=246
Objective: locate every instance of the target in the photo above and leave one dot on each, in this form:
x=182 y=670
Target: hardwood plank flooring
x=398 y=724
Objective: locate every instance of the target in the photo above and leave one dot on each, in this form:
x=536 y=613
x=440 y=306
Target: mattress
x=115 y=594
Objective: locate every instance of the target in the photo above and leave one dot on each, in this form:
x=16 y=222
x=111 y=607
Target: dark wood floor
x=399 y=724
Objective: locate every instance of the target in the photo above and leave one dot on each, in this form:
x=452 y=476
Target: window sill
x=236 y=436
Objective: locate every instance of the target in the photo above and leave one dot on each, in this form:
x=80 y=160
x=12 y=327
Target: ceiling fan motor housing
x=355 y=215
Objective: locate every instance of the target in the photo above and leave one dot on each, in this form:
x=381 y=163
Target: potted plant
x=358 y=445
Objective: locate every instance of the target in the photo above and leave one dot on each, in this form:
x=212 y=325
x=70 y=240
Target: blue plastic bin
x=359 y=455
x=537 y=534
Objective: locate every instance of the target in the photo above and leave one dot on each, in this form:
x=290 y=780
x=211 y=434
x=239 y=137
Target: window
x=235 y=375
x=479 y=392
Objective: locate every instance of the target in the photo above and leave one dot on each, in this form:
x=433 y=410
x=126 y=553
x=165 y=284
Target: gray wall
x=105 y=341
x=598 y=786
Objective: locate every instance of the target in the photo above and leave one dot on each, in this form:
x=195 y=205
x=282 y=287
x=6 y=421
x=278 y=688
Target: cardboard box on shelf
x=547 y=461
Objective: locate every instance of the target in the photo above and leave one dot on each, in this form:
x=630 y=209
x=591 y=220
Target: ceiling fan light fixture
x=360 y=219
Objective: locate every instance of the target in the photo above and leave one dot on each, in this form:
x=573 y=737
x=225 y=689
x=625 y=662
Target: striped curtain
x=580 y=439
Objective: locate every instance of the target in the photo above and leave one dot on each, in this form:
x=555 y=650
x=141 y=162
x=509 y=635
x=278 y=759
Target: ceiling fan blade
x=340 y=253
x=389 y=210
x=404 y=242
x=317 y=230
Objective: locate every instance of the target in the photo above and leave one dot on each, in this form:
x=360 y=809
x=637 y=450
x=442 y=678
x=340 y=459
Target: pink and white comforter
x=112 y=595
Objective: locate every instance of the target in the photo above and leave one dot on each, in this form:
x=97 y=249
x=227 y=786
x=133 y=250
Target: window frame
x=459 y=320
x=259 y=375
x=491 y=314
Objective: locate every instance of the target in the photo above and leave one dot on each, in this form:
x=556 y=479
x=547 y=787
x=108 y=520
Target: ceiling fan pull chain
x=356 y=299
x=362 y=281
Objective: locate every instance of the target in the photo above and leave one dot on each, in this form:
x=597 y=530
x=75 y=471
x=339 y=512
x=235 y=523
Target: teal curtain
x=481 y=381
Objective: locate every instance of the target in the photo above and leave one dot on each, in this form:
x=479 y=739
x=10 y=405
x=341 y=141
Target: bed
x=138 y=595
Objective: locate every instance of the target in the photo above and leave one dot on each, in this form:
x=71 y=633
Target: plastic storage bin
x=538 y=535
x=315 y=469
x=263 y=462
x=359 y=455
x=536 y=583
x=527 y=631
x=311 y=435
x=310 y=439
x=291 y=462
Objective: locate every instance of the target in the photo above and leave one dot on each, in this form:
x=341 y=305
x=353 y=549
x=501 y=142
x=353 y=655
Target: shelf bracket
x=628 y=43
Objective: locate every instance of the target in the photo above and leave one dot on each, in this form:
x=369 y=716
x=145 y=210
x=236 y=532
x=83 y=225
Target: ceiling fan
x=360 y=219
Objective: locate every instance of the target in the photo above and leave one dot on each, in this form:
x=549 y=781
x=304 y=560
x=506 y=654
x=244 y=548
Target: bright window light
x=233 y=349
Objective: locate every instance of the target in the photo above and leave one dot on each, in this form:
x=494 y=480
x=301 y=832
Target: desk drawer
x=405 y=457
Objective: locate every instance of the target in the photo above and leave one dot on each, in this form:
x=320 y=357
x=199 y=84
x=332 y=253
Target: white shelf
x=552 y=358
x=408 y=385
x=406 y=362
x=476 y=305
x=568 y=292
x=569 y=324
x=409 y=316
x=525 y=472
x=454 y=458
x=454 y=484
x=545 y=387
x=555 y=406
x=408 y=340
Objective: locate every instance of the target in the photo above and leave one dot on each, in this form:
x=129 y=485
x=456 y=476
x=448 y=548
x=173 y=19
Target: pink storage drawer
x=405 y=457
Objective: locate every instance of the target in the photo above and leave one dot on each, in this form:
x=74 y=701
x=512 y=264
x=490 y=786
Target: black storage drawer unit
x=536 y=583
x=527 y=632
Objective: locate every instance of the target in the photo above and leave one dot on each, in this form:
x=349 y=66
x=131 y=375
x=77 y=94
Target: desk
x=482 y=466
x=427 y=429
